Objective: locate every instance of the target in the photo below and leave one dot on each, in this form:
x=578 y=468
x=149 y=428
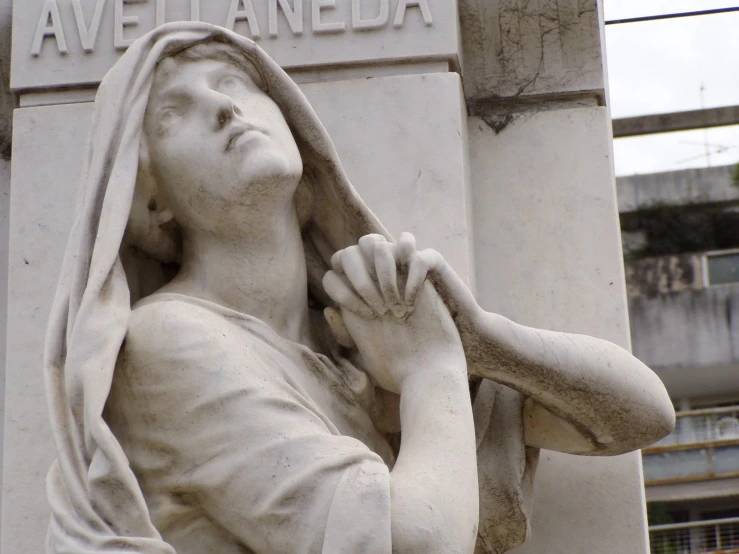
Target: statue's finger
x=417 y=272
x=387 y=278
x=357 y=272
x=406 y=249
x=336 y=263
x=340 y=291
x=367 y=246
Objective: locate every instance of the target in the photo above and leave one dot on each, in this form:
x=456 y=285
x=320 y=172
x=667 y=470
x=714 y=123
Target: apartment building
x=681 y=246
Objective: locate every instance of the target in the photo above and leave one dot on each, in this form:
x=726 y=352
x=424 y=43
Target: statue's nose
x=224 y=117
x=225 y=110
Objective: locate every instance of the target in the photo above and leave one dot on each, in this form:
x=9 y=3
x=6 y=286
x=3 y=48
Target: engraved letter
x=121 y=22
x=88 y=37
x=379 y=21
x=294 y=17
x=318 y=27
x=235 y=14
x=50 y=14
x=425 y=11
x=162 y=11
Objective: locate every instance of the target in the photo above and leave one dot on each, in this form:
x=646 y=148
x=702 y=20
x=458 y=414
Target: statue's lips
x=241 y=135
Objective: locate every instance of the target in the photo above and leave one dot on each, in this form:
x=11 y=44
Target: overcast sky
x=658 y=67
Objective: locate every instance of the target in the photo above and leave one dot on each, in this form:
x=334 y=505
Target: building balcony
x=719 y=536
x=703 y=446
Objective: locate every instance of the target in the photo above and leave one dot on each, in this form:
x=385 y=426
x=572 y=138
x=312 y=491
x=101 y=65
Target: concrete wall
x=664 y=274
x=687 y=329
x=677 y=188
x=690 y=338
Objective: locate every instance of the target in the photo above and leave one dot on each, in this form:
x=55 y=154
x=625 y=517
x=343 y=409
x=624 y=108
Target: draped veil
x=97 y=504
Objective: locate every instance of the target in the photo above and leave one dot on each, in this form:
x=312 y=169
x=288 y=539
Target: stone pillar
x=547 y=242
x=7 y=104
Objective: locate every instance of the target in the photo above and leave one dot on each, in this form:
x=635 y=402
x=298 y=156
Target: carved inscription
x=50 y=25
x=366 y=15
x=88 y=35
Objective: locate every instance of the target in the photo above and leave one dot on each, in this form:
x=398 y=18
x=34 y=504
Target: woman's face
x=216 y=141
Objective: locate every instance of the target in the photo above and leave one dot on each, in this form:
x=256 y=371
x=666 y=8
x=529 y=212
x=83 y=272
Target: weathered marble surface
x=242 y=253
x=564 y=252
x=517 y=49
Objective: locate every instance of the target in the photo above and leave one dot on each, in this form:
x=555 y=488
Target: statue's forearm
x=434 y=481
x=594 y=392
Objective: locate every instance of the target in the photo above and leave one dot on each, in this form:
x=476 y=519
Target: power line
x=671 y=16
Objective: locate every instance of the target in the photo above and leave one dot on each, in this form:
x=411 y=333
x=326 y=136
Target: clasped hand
x=398 y=334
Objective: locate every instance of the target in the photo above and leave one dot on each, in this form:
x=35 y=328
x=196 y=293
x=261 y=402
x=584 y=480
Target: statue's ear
x=151 y=227
x=146 y=186
x=304 y=200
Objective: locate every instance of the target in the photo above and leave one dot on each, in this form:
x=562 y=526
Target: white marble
x=4 y=224
x=520 y=49
x=424 y=187
x=42 y=208
x=548 y=254
x=327 y=33
x=411 y=105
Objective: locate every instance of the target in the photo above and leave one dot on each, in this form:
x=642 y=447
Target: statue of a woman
x=241 y=359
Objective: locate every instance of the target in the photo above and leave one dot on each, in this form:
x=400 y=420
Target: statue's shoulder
x=168 y=312
x=167 y=323
x=191 y=340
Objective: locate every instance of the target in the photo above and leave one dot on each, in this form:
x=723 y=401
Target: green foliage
x=672 y=230
x=657 y=514
x=662 y=543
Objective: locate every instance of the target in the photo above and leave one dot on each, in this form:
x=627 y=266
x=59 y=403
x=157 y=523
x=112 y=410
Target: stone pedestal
x=519 y=196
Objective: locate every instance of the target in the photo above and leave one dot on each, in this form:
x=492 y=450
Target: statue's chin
x=272 y=169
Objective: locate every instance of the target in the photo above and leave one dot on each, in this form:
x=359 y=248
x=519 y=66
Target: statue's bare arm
x=585 y=395
x=433 y=485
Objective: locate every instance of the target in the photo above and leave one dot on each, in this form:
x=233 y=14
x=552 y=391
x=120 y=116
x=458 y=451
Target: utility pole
x=705 y=131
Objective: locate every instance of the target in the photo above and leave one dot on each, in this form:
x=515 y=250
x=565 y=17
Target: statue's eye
x=230 y=82
x=165 y=118
x=167 y=115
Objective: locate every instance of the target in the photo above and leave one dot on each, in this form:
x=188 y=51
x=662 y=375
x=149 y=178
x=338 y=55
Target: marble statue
x=240 y=358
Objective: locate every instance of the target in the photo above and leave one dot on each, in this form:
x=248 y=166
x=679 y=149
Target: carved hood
x=97 y=505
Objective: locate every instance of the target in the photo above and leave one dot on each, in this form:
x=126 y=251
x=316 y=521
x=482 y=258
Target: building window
x=722 y=268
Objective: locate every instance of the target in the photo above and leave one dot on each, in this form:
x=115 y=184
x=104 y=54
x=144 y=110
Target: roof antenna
x=705 y=131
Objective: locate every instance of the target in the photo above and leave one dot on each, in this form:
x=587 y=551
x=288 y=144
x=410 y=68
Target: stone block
x=528 y=48
x=548 y=255
x=61 y=42
x=47 y=155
